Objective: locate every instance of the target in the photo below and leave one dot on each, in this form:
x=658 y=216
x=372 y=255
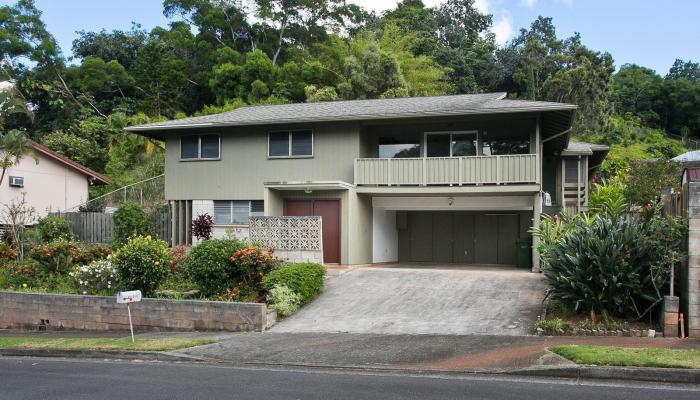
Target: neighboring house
x=49 y=181
x=433 y=179
x=689 y=158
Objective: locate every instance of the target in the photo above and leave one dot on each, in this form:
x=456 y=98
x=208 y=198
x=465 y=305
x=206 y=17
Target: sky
x=651 y=33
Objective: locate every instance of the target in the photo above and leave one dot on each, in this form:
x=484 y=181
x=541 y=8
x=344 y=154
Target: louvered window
x=236 y=212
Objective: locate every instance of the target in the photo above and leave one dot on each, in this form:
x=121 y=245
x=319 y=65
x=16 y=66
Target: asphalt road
x=34 y=378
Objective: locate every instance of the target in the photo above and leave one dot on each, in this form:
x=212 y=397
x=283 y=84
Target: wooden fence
x=93 y=227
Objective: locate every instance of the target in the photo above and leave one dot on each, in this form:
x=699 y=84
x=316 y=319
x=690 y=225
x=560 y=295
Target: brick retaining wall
x=74 y=312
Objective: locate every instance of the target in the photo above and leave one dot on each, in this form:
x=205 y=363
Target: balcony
x=479 y=170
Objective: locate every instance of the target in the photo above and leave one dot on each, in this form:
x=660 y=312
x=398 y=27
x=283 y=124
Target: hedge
x=305 y=279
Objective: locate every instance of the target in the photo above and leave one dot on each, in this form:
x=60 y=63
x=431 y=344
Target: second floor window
x=291 y=144
x=200 y=147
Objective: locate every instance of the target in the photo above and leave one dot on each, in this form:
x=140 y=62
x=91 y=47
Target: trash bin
x=523 y=253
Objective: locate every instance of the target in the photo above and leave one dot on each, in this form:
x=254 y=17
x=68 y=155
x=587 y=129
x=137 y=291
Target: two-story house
x=447 y=179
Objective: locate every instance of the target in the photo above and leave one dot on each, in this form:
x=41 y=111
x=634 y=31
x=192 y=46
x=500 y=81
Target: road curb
x=660 y=375
x=102 y=354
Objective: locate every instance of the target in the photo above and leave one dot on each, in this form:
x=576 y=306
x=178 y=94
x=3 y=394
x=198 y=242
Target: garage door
x=458 y=237
x=329 y=211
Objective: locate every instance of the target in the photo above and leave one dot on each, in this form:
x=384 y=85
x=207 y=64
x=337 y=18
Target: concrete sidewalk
x=407 y=352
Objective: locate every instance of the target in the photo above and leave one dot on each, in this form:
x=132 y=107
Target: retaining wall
x=98 y=313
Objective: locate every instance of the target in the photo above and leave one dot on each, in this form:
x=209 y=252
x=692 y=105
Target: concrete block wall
x=691 y=277
x=98 y=313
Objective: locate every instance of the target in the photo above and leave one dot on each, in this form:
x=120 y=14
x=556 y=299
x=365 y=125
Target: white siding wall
x=218 y=231
x=49 y=185
x=385 y=239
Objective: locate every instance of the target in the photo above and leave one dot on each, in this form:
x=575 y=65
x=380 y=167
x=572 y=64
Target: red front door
x=329 y=211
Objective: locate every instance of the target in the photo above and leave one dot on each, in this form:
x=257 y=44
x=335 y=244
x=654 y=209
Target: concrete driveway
x=406 y=299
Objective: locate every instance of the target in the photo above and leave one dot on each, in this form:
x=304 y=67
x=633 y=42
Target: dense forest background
x=218 y=55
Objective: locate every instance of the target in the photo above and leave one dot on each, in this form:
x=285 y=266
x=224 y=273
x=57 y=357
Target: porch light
x=308 y=190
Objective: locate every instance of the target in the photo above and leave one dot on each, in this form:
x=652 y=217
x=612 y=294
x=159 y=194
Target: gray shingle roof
x=356 y=110
x=584 y=148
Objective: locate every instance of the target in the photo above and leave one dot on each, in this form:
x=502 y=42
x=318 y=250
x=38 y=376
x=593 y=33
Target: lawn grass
x=630 y=357
x=163 y=344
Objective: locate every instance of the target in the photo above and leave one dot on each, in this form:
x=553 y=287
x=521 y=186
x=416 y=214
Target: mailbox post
x=128 y=298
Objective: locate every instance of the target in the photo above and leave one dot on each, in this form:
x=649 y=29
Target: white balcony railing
x=520 y=168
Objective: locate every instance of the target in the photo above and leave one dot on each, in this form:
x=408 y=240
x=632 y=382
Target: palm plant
x=14 y=146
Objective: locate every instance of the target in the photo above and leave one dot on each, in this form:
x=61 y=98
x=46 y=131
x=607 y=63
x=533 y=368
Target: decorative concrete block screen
x=98 y=313
x=296 y=239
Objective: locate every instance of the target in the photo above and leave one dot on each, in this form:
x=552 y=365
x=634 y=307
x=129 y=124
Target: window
x=399 y=147
x=17 y=181
x=200 y=147
x=450 y=144
x=290 y=144
x=236 y=212
x=498 y=147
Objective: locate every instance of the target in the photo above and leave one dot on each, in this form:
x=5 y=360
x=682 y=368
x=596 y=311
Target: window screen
x=279 y=144
x=463 y=144
x=210 y=146
x=302 y=143
x=257 y=207
x=189 y=147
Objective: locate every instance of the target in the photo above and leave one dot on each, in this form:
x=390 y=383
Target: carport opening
x=497 y=238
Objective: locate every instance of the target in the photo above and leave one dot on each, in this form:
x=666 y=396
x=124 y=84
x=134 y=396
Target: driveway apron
x=405 y=299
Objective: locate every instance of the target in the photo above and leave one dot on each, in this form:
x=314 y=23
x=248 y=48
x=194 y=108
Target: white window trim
x=199 y=148
x=424 y=150
x=289 y=144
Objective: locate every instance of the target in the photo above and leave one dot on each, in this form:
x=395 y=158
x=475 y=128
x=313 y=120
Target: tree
x=14 y=146
x=636 y=90
x=684 y=70
x=120 y=46
x=17 y=215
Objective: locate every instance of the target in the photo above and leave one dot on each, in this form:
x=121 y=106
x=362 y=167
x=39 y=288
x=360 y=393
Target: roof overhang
x=309 y=185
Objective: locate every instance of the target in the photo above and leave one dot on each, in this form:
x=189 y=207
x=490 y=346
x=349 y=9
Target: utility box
x=523 y=253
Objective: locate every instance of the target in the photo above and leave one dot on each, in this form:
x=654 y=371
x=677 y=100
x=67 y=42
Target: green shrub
x=130 y=220
x=51 y=228
x=283 y=300
x=305 y=279
x=552 y=327
x=142 y=264
x=57 y=257
x=210 y=265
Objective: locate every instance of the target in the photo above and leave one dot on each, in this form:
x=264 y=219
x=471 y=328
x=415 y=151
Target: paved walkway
x=406 y=299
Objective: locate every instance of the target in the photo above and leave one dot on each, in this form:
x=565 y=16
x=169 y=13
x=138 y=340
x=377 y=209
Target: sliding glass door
x=450 y=144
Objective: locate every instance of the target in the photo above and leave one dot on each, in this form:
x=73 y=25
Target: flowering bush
x=252 y=263
x=98 y=277
x=283 y=300
x=201 y=226
x=7 y=252
x=57 y=257
x=21 y=274
x=142 y=264
x=178 y=254
x=92 y=253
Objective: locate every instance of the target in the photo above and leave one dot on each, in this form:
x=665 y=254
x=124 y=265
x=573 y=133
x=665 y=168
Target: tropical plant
x=57 y=257
x=142 y=264
x=14 y=146
x=202 y=226
x=16 y=216
x=608 y=197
